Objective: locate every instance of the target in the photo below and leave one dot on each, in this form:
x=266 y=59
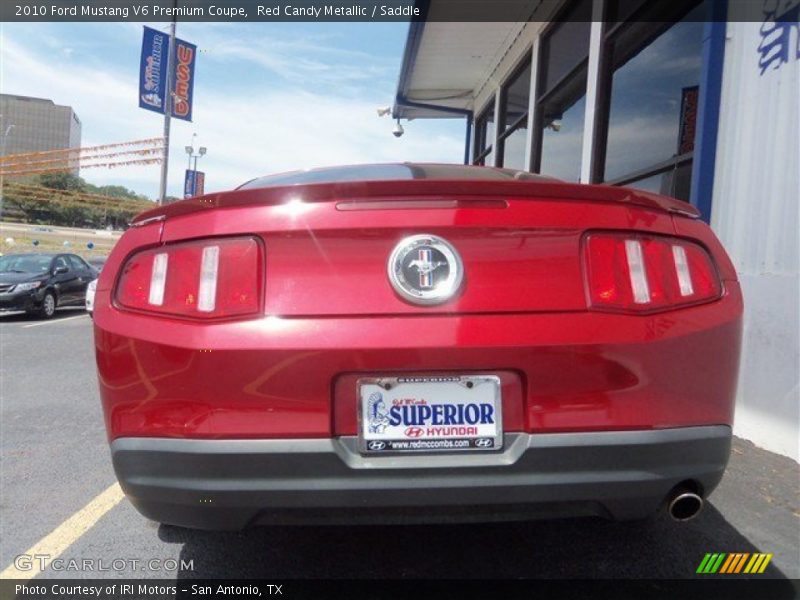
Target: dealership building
x=699 y=104
x=39 y=125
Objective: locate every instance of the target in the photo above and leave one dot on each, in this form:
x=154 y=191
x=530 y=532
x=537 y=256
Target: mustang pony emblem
x=426 y=266
x=425 y=269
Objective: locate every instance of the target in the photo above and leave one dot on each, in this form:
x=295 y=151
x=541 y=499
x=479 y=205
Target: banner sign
x=194 y=183
x=153 y=74
x=183 y=78
x=153 y=70
x=199 y=183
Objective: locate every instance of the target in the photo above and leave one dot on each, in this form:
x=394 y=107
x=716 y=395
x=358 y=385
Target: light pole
x=190 y=150
x=168 y=102
x=192 y=156
x=201 y=151
x=7 y=131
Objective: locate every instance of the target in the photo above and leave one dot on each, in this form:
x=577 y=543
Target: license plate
x=430 y=414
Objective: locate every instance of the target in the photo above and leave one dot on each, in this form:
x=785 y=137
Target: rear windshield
x=391 y=172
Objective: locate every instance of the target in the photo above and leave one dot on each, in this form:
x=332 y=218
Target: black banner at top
x=365 y=10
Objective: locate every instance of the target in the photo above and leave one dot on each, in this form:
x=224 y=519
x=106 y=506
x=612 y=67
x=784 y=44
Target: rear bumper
x=229 y=484
x=274 y=377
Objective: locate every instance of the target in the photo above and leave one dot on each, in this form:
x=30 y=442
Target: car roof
x=392 y=172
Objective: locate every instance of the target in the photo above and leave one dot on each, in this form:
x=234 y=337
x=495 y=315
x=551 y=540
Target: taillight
x=640 y=273
x=202 y=279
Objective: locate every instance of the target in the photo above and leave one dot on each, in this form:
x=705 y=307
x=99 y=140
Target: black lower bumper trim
x=228 y=484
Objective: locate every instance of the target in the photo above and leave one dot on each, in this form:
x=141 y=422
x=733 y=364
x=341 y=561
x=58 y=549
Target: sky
x=268 y=97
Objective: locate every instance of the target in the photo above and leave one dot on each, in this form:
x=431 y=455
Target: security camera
x=384 y=110
x=398 y=130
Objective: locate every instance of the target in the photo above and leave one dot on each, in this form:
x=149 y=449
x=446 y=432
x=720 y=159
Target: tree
x=64 y=205
x=62 y=181
x=117 y=191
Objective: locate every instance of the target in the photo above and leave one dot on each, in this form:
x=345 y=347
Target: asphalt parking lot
x=55 y=461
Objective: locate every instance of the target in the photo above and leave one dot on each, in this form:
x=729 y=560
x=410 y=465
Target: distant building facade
x=39 y=125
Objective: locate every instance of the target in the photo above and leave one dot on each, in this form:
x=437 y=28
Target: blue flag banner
x=153 y=70
x=194 y=183
x=188 y=184
x=153 y=74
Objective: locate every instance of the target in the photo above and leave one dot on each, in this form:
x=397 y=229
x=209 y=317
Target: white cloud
x=290 y=130
x=264 y=129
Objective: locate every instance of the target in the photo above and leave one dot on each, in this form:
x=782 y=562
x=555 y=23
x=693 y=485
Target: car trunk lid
x=330 y=257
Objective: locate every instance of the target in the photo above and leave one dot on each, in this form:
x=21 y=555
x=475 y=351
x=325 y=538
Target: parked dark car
x=39 y=283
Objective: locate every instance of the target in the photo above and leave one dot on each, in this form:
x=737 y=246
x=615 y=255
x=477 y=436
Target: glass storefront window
x=562 y=141
x=484 y=136
x=567 y=45
x=516 y=96
x=561 y=101
x=653 y=102
x=675 y=182
x=514 y=149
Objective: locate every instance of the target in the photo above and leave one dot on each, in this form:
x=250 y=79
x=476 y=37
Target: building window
x=484 y=136
x=514 y=118
x=647 y=138
x=561 y=91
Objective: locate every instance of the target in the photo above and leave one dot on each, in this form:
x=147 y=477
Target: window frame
x=480 y=147
x=64 y=259
x=503 y=132
x=612 y=33
x=581 y=69
x=77 y=262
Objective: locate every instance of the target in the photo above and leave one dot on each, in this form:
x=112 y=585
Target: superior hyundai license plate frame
x=399 y=415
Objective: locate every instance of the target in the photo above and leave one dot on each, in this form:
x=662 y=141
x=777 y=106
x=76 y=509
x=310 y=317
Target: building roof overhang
x=446 y=63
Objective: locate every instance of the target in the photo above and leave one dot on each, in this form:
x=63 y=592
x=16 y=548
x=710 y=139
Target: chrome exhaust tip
x=685 y=506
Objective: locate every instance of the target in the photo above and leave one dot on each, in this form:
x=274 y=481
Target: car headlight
x=24 y=287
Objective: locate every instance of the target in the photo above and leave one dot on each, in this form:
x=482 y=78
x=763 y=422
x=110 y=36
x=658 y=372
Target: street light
x=190 y=150
x=191 y=155
x=201 y=151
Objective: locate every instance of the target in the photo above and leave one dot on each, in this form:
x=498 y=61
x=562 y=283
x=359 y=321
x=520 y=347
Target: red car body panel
x=329 y=315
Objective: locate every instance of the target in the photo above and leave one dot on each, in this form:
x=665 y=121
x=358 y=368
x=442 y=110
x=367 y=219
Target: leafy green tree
x=117 y=191
x=59 y=208
x=62 y=181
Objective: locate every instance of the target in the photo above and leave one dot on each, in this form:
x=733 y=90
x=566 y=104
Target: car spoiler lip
x=354 y=190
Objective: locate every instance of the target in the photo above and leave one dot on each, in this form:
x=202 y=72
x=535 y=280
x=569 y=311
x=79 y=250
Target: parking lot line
x=63 y=536
x=53 y=322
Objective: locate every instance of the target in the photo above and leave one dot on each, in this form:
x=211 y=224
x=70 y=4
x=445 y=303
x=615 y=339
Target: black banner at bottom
x=407 y=589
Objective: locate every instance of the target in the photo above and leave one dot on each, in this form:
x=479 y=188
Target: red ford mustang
x=417 y=342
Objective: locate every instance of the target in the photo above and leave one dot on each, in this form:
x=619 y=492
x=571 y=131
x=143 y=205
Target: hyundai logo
x=484 y=442
x=413 y=432
x=425 y=269
x=376 y=445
